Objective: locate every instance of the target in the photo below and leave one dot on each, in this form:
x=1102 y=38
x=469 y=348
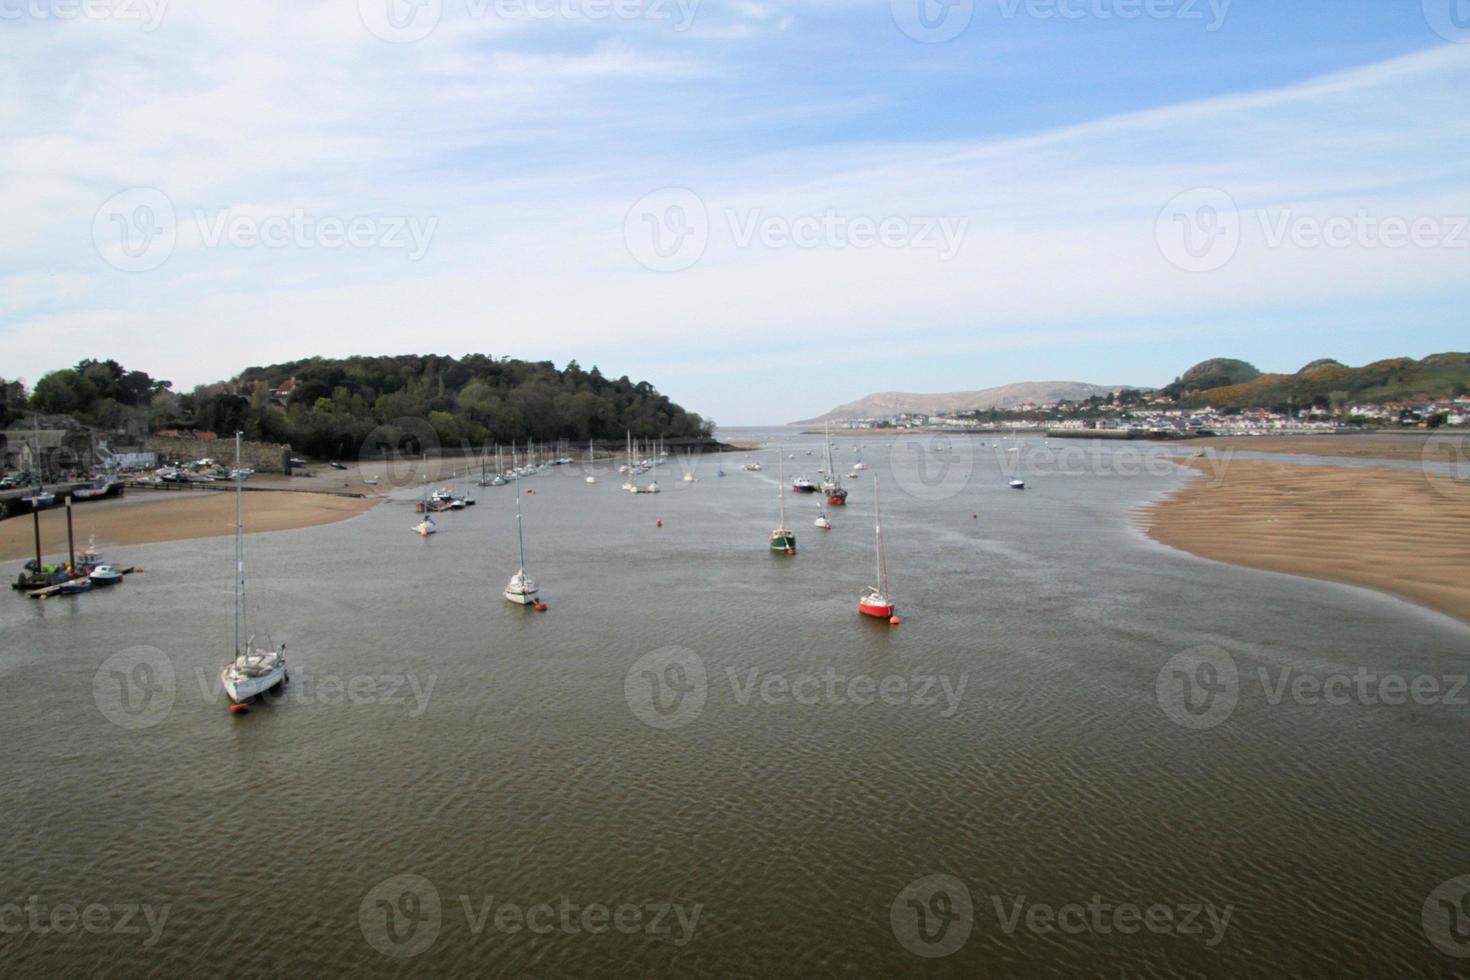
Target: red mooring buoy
x=539 y=607
x=239 y=709
x=894 y=620
x=658 y=523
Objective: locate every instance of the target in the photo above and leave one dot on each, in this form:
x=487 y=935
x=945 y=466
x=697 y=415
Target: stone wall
x=263 y=457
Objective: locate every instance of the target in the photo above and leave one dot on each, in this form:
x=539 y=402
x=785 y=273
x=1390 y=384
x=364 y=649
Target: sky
x=764 y=209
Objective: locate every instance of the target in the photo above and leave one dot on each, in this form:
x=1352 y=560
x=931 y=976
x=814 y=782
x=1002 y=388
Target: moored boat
x=875 y=600
x=252 y=671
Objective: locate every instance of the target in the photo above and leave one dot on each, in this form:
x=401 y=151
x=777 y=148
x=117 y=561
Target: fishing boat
x=875 y=600
x=783 y=539
x=802 y=485
x=251 y=671
x=831 y=486
x=522 y=589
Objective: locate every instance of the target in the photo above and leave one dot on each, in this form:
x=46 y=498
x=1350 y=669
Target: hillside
x=1326 y=383
x=330 y=406
x=887 y=403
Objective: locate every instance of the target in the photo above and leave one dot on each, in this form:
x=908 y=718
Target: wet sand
x=146 y=516
x=1400 y=532
x=1439 y=446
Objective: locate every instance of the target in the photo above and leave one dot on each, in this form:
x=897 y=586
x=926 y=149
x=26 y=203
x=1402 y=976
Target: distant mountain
x=886 y=403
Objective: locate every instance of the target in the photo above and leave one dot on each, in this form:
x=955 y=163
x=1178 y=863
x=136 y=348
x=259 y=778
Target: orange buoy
x=658 y=523
x=791 y=551
x=974 y=517
x=894 y=620
x=539 y=607
x=239 y=709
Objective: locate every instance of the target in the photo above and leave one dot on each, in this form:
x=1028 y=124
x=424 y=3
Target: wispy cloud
x=527 y=144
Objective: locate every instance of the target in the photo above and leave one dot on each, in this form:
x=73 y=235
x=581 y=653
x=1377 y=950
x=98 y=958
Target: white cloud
x=529 y=142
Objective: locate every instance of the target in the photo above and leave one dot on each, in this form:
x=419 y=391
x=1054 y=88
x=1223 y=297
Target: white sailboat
x=591 y=462
x=251 y=671
x=522 y=589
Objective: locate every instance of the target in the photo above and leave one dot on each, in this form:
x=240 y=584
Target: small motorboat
x=74 y=586
x=105 y=574
x=1018 y=484
x=425 y=527
x=823 y=523
x=335 y=465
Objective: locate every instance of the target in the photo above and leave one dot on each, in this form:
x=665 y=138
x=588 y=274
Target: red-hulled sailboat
x=831 y=486
x=875 y=600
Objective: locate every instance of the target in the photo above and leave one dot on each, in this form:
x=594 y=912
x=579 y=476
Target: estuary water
x=1080 y=754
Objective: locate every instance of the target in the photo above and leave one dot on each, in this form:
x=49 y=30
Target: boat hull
x=241 y=689
x=878 y=610
x=783 y=543
x=521 y=598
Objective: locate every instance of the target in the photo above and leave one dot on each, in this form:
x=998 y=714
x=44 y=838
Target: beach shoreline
x=1400 y=532
x=150 y=517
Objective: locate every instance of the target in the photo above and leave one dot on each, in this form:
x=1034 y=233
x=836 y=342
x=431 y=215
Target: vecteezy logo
x=400 y=917
x=1450 y=19
x=400 y=21
x=135 y=688
x=1199 y=688
x=933 y=468
x=135 y=230
x=666 y=688
x=409 y=449
x=667 y=230
x=932 y=21
x=1446 y=917
x=1445 y=462
x=1199 y=231
x=933 y=916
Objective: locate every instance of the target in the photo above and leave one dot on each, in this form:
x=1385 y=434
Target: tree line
x=336 y=405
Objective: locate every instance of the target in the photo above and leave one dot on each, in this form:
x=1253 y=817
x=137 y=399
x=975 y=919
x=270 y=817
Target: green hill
x=1325 y=383
x=336 y=403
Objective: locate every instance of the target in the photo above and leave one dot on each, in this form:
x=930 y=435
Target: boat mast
x=239 y=550
x=520 y=533
x=878 y=536
x=781 y=485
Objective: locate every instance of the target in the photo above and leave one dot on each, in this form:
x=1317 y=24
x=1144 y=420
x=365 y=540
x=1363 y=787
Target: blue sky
x=691 y=192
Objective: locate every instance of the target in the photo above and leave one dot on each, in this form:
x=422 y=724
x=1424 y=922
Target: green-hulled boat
x=783 y=539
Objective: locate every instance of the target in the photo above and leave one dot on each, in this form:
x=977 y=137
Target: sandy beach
x=1440 y=446
x=143 y=517
x=1400 y=532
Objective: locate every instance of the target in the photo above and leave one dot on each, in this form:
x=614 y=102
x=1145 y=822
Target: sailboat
x=40 y=498
x=522 y=588
x=822 y=521
x=253 y=670
x=836 y=496
x=782 y=538
x=426 y=527
x=874 y=600
x=591 y=462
